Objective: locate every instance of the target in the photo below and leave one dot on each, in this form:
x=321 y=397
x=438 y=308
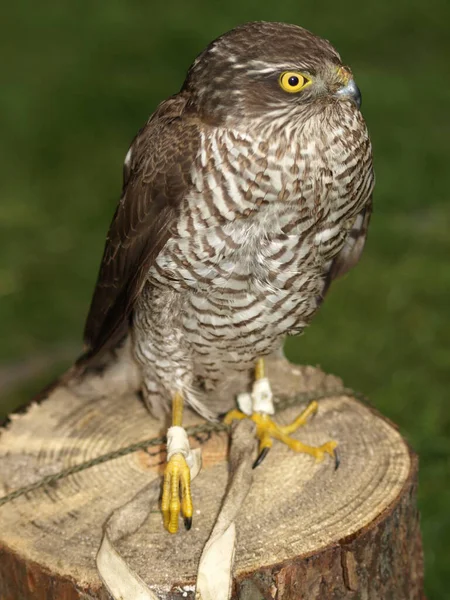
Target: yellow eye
x=293 y=82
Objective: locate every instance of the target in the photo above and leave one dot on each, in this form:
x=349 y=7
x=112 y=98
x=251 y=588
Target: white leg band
x=262 y=397
x=245 y=403
x=178 y=443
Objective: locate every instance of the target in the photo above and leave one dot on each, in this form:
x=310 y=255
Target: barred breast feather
x=271 y=218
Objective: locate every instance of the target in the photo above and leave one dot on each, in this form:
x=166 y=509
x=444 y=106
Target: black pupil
x=293 y=81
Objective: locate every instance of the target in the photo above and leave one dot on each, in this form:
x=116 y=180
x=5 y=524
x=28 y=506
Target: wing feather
x=156 y=180
x=353 y=247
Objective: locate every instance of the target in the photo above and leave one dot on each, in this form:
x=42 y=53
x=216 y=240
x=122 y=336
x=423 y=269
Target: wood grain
x=305 y=531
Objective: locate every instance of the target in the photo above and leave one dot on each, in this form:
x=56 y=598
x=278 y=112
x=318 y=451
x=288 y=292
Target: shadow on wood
x=305 y=532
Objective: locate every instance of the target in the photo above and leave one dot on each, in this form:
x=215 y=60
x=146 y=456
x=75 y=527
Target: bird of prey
x=244 y=196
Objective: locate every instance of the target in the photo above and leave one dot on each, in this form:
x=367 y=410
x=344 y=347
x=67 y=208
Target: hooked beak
x=351 y=91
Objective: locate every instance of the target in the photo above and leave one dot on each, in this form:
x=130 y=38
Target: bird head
x=268 y=71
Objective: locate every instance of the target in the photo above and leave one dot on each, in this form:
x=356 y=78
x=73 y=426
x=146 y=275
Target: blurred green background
x=80 y=78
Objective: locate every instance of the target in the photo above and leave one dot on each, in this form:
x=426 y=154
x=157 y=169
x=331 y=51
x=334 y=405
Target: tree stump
x=306 y=531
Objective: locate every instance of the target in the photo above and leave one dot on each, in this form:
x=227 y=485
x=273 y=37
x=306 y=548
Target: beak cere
x=351 y=91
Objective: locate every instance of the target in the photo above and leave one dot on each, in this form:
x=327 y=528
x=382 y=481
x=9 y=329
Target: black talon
x=262 y=455
x=187 y=523
x=337 y=459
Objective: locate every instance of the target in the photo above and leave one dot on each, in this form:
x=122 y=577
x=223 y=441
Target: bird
x=244 y=196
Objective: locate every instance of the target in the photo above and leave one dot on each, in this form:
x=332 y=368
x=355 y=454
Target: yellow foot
x=266 y=429
x=177 y=481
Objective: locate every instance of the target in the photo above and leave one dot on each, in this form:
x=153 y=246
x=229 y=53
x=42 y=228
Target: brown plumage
x=241 y=203
x=154 y=187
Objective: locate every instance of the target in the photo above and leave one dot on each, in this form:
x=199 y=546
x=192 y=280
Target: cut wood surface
x=306 y=531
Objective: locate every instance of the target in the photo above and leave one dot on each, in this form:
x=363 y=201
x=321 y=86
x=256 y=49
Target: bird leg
x=258 y=406
x=177 y=475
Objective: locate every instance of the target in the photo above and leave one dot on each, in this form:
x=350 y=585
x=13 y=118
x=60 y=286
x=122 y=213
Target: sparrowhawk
x=244 y=196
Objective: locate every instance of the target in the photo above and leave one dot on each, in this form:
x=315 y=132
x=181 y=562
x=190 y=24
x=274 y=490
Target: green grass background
x=79 y=79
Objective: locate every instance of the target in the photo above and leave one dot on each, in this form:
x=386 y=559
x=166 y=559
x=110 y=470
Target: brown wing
x=353 y=247
x=156 y=180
